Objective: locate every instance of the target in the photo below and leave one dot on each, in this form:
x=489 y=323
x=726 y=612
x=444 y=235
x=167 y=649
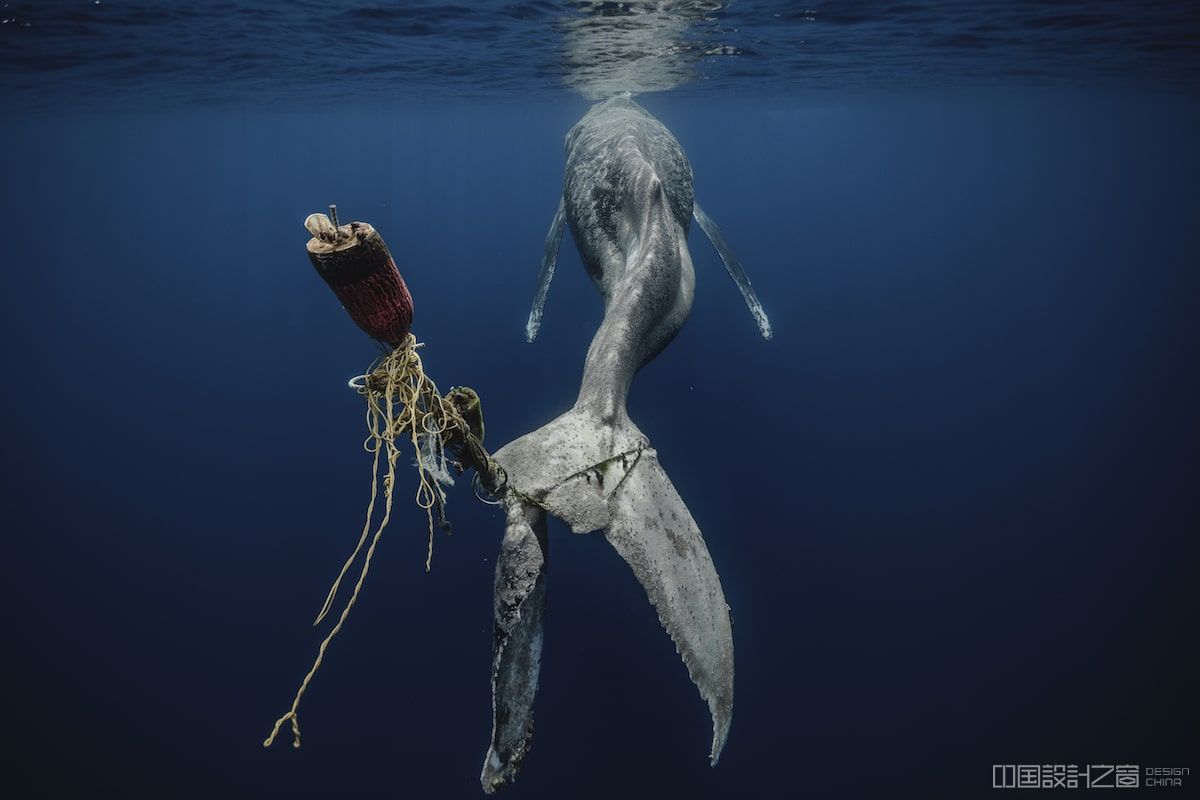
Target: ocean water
x=953 y=502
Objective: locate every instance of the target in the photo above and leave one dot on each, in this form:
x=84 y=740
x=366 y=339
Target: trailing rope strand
x=361 y=541
x=402 y=402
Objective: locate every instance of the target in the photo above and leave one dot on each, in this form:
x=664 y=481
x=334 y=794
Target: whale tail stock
x=600 y=475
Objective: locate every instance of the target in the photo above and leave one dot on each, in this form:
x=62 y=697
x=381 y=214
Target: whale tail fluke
x=520 y=602
x=600 y=475
x=655 y=534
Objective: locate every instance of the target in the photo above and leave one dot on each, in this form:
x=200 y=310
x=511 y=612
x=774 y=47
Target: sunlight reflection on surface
x=639 y=46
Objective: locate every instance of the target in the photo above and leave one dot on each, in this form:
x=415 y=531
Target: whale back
x=614 y=154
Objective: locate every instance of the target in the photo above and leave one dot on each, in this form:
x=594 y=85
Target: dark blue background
x=953 y=503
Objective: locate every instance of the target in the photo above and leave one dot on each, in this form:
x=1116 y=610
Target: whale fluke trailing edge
x=628 y=199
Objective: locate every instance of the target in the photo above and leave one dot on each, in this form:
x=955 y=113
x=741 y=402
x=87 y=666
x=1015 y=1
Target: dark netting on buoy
x=354 y=261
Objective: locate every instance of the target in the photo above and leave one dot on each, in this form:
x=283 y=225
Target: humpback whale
x=628 y=199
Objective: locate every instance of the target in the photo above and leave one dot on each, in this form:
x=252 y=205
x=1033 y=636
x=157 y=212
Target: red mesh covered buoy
x=355 y=263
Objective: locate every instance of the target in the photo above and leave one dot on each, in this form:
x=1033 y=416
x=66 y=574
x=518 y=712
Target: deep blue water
x=953 y=503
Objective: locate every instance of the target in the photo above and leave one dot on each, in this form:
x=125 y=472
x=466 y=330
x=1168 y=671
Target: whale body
x=628 y=200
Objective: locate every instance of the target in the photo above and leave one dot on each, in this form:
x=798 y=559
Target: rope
x=402 y=402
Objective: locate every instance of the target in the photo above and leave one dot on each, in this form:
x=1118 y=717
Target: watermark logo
x=1087 y=776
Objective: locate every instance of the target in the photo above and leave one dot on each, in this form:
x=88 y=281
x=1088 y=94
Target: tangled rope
x=402 y=403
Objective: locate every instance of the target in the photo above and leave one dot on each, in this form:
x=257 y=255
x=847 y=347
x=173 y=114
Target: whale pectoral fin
x=549 y=259
x=654 y=532
x=520 y=602
x=734 y=268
